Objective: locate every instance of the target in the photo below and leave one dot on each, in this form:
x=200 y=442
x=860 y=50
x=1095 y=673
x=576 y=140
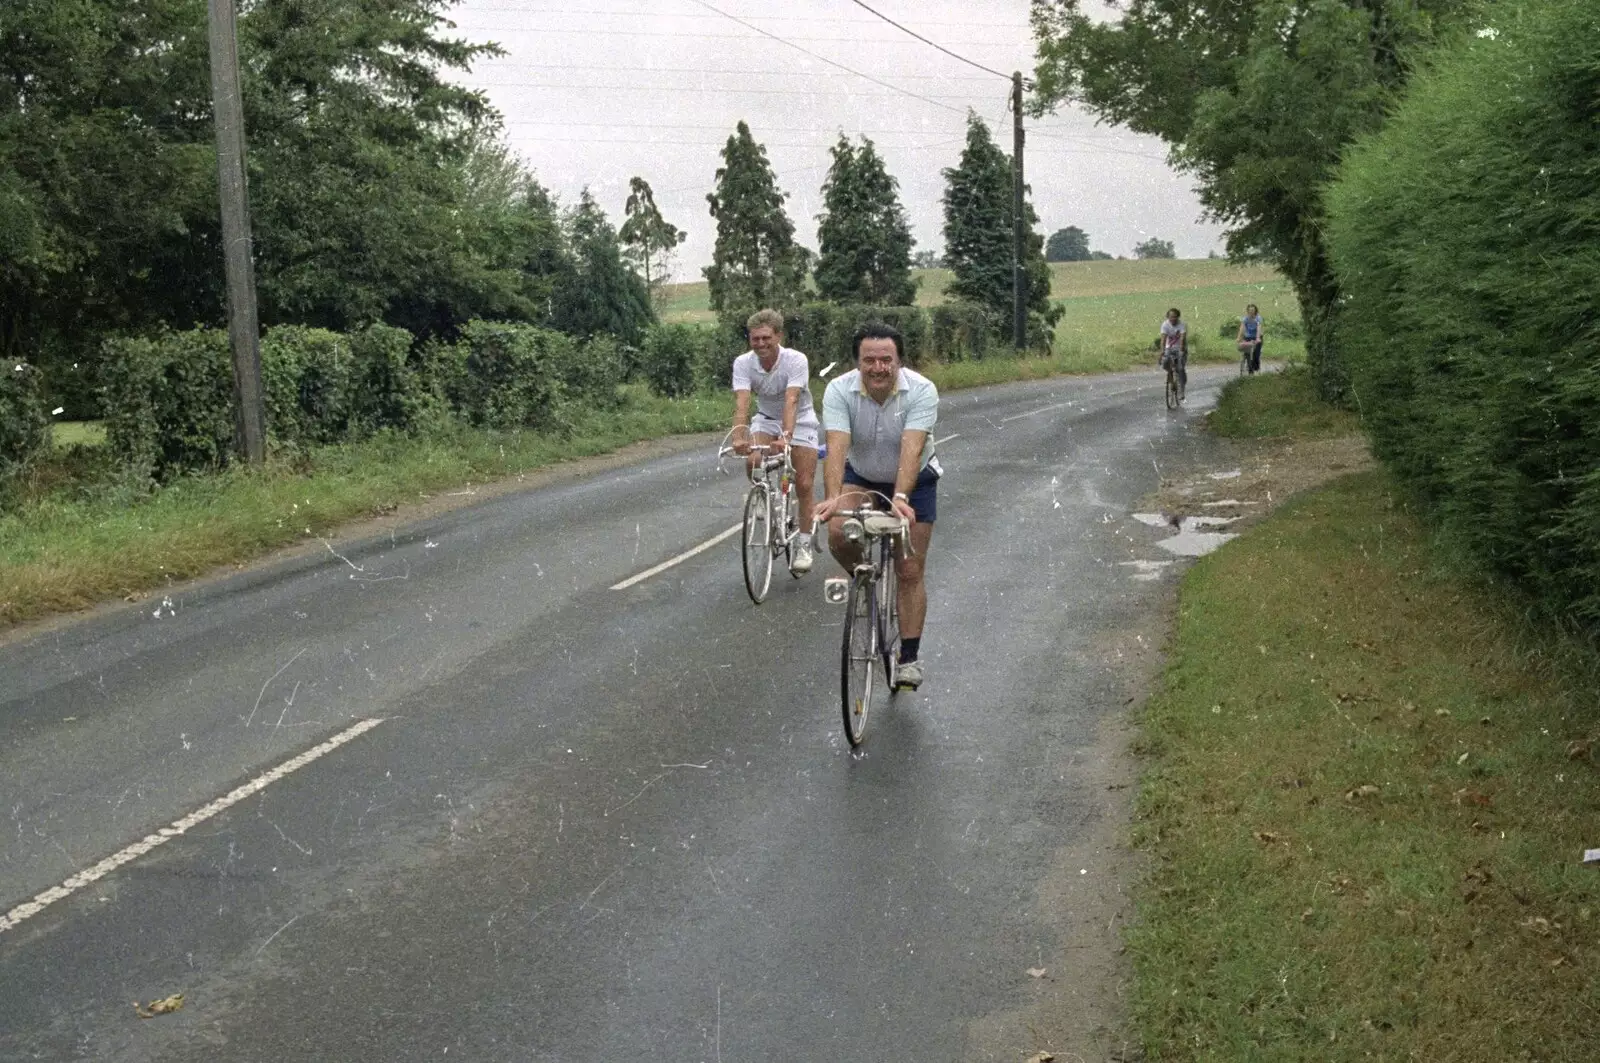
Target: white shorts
x=805 y=435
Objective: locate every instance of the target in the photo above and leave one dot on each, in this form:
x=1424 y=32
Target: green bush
x=169 y=401
x=964 y=332
x=390 y=386
x=510 y=376
x=308 y=377
x=671 y=358
x=591 y=371
x=24 y=422
x=1466 y=238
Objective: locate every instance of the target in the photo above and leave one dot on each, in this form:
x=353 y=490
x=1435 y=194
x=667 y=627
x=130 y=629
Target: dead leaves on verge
x=164 y=1006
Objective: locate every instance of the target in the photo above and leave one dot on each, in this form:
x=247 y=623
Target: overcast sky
x=596 y=91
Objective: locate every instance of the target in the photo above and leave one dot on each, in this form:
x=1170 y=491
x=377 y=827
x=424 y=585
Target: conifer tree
x=602 y=294
x=865 y=237
x=755 y=262
x=648 y=239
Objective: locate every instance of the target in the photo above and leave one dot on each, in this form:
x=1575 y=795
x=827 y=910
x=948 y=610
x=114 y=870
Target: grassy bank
x=75 y=546
x=1369 y=791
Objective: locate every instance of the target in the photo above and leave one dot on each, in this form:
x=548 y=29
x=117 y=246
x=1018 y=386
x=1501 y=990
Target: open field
x=1114 y=309
x=1368 y=790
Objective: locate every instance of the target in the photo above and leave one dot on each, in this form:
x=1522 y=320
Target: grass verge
x=73 y=548
x=1281 y=405
x=1369 y=792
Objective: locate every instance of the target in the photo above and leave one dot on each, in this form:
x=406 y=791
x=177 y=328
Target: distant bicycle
x=1245 y=350
x=771 y=517
x=872 y=611
x=1174 y=388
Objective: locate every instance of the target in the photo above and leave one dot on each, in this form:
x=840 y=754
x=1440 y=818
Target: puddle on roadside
x=1191 y=543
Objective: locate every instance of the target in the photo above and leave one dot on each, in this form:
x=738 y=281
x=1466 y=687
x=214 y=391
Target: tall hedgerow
x=1466 y=239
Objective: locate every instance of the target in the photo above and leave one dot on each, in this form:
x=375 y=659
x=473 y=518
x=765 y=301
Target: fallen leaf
x=164 y=1006
x=1266 y=837
x=1578 y=750
x=1364 y=790
x=1041 y=1057
x=1462 y=759
x=1472 y=797
x=1037 y=972
x=1539 y=925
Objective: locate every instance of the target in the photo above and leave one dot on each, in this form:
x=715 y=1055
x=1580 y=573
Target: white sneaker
x=908 y=675
x=801 y=562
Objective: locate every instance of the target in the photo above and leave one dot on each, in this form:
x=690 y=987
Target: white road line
x=680 y=559
x=946 y=439
x=1034 y=413
x=22 y=912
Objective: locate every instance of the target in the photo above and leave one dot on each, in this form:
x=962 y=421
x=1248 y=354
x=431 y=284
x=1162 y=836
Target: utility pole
x=249 y=413
x=1019 y=224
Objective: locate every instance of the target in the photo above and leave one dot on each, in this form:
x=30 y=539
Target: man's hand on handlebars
x=903 y=509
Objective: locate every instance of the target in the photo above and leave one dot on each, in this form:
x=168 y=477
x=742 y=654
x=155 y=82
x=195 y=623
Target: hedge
x=24 y=423
x=1466 y=238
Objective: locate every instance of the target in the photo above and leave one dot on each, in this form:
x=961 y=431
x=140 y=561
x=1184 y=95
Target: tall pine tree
x=648 y=239
x=865 y=237
x=603 y=294
x=977 y=231
x=756 y=262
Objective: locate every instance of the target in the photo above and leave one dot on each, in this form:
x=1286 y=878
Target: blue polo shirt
x=874 y=429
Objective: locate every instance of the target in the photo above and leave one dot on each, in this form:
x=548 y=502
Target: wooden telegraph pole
x=1019 y=224
x=250 y=435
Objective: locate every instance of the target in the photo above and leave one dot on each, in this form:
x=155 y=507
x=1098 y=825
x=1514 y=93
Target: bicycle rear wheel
x=757 y=542
x=858 y=659
x=888 y=595
x=1172 y=389
x=1244 y=363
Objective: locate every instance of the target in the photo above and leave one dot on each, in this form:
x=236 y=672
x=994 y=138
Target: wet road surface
x=448 y=795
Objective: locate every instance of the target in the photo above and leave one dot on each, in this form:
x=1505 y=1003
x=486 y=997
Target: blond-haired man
x=779 y=378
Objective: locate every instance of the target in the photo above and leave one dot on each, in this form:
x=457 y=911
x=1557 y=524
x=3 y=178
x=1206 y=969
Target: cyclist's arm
x=741 y=420
x=905 y=480
x=832 y=474
x=791 y=410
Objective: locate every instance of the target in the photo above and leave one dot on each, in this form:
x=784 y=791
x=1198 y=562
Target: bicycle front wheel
x=757 y=540
x=889 y=615
x=1172 y=389
x=859 y=658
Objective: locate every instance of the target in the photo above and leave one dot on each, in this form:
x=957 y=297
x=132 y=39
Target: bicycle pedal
x=835 y=589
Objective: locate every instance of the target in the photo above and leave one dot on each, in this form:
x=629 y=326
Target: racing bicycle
x=771 y=523
x=872 y=614
x=1174 y=388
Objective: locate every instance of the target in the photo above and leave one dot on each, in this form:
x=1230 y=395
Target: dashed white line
x=680 y=559
x=22 y=912
x=1035 y=413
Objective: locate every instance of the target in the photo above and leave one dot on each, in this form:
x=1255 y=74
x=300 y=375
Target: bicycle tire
x=1172 y=389
x=888 y=596
x=858 y=659
x=1244 y=364
x=755 y=540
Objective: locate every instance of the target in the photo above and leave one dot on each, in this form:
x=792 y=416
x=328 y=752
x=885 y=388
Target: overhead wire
x=931 y=44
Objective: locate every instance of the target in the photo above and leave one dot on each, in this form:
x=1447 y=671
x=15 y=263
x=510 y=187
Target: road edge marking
x=28 y=909
x=680 y=559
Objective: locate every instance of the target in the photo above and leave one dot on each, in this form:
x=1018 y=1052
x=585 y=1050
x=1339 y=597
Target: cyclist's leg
x=908 y=570
x=1255 y=358
x=855 y=495
x=1183 y=372
x=805 y=475
x=760 y=435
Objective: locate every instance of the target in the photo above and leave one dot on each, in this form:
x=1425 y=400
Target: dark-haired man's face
x=879 y=362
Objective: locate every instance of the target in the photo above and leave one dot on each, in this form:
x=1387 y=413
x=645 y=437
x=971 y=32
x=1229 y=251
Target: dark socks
x=908 y=649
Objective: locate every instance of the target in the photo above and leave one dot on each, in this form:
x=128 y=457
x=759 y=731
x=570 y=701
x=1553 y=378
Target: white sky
x=596 y=91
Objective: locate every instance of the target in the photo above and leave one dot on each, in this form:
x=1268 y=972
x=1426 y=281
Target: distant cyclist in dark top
x=1174 y=343
x=1251 y=333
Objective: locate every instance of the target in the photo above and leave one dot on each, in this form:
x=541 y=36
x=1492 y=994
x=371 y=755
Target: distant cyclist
x=780 y=378
x=1174 y=345
x=880 y=419
x=1251 y=334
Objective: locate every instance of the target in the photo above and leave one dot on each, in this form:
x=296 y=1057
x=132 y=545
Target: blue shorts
x=924 y=496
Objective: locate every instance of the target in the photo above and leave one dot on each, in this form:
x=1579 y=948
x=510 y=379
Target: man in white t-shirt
x=1174 y=342
x=779 y=377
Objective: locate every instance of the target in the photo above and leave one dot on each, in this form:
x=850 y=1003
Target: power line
x=931 y=44
x=830 y=62
x=758 y=18
x=704 y=72
x=720 y=90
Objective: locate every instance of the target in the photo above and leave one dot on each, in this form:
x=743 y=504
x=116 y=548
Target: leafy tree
x=1099 y=256
x=978 y=231
x=755 y=261
x=927 y=260
x=648 y=239
x=863 y=231
x=1155 y=247
x=601 y=294
x=1067 y=245
x=1257 y=98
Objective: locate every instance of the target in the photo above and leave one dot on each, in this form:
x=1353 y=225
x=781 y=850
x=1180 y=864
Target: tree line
x=1427 y=175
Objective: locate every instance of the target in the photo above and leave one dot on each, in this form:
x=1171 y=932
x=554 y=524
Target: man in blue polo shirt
x=879 y=418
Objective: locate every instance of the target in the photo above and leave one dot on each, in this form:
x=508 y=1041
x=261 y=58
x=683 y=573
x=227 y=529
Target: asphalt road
x=585 y=824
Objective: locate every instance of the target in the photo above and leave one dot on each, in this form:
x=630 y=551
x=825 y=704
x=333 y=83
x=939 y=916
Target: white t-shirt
x=1172 y=335
x=771 y=387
